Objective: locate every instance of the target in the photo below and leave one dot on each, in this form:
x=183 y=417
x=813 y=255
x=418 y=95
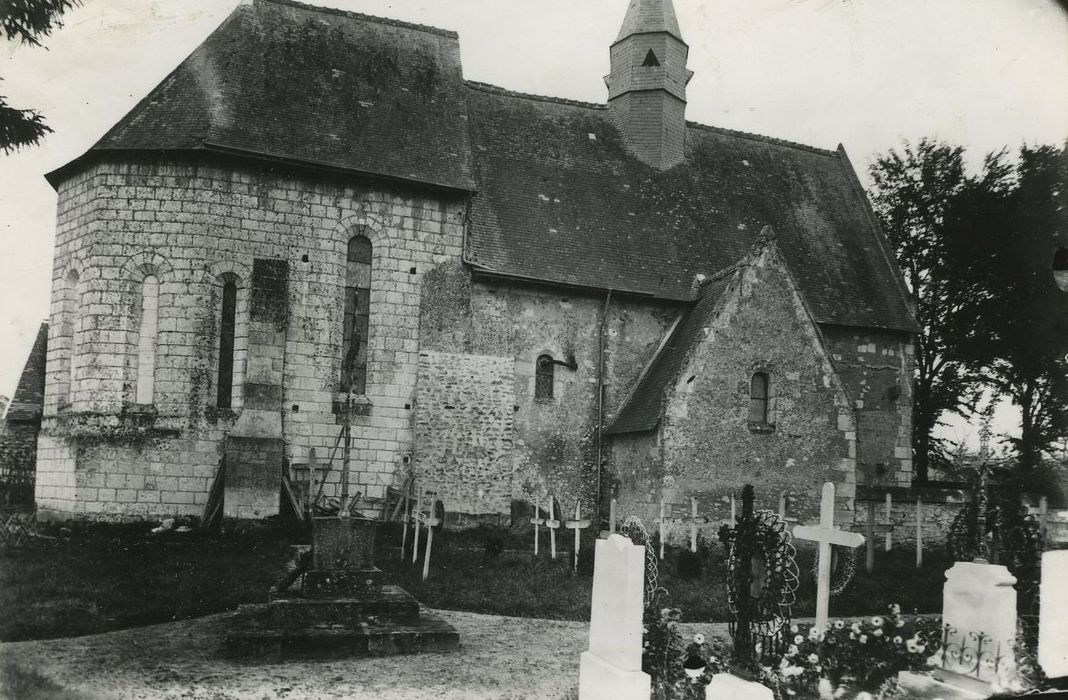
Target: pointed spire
x=646 y=16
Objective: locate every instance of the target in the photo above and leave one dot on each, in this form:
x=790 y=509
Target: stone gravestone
x=340 y=604
x=979 y=631
x=611 y=669
x=1052 y=630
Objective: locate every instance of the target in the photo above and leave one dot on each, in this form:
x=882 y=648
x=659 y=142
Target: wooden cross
x=871 y=528
x=536 y=521
x=694 y=521
x=415 y=525
x=826 y=535
x=1043 y=515
x=889 y=520
x=919 y=532
x=431 y=520
x=663 y=527
x=577 y=524
x=552 y=523
x=782 y=508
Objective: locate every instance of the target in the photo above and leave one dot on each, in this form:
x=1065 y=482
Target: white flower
x=895 y=609
x=897 y=639
x=815 y=635
x=910 y=645
x=855 y=627
x=852 y=635
x=900 y=623
x=838 y=624
x=813 y=659
x=878 y=633
x=792 y=671
x=791 y=650
x=699 y=638
x=793 y=629
x=758 y=647
x=798 y=639
x=863 y=639
x=877 y=621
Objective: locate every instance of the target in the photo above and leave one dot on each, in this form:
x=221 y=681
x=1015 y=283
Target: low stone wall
x=18 y=456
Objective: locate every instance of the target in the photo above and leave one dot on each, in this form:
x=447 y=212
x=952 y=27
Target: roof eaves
x=761 y=137
x=481 y=271
x=337 y=12
x=495 y=90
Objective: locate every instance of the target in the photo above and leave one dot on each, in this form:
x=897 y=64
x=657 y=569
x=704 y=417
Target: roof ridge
x=762 y=137
x=496 y=90
x=452 y=34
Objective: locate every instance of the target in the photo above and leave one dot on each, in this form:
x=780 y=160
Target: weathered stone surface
x=979 y=610
x=387 y=604
x=343 y=543
x=1052 y=627
x=342 y=583
x=725 y=686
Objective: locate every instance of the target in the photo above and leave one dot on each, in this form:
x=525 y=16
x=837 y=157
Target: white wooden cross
x=415 y=525
x=431 y=521
x=826 y=535
x=871 y=529
x=552 y=523
x=577 y=525
x=694 y=520
x=536 y=521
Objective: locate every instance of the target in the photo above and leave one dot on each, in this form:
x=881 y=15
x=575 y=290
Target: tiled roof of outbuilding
x=309 y=84
x=641 y=409
x=560 y=199
x=28 y=401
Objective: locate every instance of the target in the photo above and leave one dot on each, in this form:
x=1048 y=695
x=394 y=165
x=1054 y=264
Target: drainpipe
x=602 y=332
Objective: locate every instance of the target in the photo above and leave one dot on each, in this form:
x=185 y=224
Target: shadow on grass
x=26 y=684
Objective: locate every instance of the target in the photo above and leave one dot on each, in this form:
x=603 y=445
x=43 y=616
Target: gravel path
x=500 y=657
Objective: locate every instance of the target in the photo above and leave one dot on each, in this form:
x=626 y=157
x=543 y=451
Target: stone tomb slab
x=1052 y=625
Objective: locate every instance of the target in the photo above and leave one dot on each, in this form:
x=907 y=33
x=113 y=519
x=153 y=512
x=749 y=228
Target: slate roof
x=28 y=401
x=315 y=85
x=645 y=16
x=641 y=409
x=558 y=197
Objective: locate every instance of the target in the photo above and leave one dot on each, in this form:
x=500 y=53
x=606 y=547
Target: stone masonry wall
x=876 y=369
x=554 y=451
x=706 y=446
x=195 y=224
x=463 y=431
x=18 y=454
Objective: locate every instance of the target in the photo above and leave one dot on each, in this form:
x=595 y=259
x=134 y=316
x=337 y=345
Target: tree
x=920 y=194
x=27 y=21
x=1021 y=338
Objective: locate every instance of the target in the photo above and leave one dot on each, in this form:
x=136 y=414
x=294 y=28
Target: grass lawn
x=108 y=578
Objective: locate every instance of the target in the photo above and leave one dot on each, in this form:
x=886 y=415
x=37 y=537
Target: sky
x=984 y=74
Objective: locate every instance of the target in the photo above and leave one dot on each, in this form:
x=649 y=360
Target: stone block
x=979 y=611
x=725 y=686
x=1052 y=630
x=600 y=680
x=616 y=608
x=343 y=543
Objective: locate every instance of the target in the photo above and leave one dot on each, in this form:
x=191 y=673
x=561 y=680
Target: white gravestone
x=979 y=608
x=611 y=668
x=1052 y=626
x=724 y=686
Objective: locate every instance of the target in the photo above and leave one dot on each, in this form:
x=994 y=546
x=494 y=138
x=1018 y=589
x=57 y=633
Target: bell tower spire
x=647 y=84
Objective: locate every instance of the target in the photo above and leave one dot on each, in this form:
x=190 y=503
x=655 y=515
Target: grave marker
x=694 y=520
x=889 y=520
x=536 y=521
x=577 y=525
x=552 y=523
x=431 y=521
x=871 y=528
x=663 y=527
x=415 y=525
x=1052 y=632
x=612 y=517
x=611 y=667
x=826 y=535
x=919 y=532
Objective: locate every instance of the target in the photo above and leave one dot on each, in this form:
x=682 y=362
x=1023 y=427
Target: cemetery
x=765 y=607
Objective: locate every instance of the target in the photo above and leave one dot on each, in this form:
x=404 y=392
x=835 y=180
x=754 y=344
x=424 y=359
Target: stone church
x=511 y=297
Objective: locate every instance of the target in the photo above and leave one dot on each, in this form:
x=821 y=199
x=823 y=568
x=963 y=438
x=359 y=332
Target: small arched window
x=357 y=316
x=227 y=331
x=759 y=386
x=146 y=344
x=544 y=371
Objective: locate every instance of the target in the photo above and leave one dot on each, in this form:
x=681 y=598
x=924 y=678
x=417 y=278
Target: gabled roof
x=314 y=85
x=644 y=16
x=28 y=401
x=641 y=409
x=562 y=200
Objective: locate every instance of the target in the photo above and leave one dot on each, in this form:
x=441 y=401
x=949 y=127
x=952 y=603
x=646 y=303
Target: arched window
x=543 y=378
x=758 y=398
x=357 y=313
x=69 y=329
x=146 y=343
x=227 y=330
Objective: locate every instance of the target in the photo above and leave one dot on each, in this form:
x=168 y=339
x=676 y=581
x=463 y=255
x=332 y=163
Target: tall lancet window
x=357 y=313
x=227 y=329
x=759 y=398
x=146 y=344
